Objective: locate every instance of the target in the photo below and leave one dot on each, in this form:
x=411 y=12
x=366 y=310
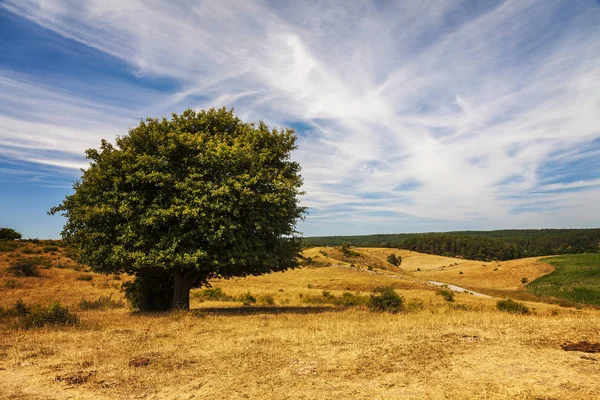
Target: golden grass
x=438 y=352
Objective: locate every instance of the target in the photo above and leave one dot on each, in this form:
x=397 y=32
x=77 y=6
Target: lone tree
x=180 y=201
x=9 y=234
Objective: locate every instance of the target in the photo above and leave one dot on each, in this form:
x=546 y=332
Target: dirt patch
x=139 y=362
x=583 y=346
x=75 y=378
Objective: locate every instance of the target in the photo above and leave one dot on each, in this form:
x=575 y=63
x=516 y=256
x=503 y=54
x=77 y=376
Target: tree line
x=477 y=245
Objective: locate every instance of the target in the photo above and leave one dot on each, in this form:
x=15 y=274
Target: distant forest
x=477 y=245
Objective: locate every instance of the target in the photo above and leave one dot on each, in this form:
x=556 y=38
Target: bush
x=50 y=249
x=101 y=303
x=512 y=306
x=9 y=234
x=350 y=299
x=415 y=305
x=524 y=280
x=385 y=299
x=394 y=260
x=21 y=308
x=345 y=249
x=24 y=267
x=211 y=294
x=247 y=298
x=84 y=278
x=8 y=246
x=267 y=299
x=30 y=250
x=53 y=314
x=11 y=284
x=447 y=294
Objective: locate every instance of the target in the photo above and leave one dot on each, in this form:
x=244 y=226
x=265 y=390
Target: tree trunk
x=178 y=297
x=184 y=282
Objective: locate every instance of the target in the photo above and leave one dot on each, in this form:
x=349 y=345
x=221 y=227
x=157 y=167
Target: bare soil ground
x=290 y=350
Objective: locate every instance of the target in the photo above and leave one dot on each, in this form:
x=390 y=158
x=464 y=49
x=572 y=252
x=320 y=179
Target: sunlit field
x=293 y=339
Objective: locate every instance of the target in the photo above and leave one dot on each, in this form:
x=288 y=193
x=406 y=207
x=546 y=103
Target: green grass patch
x=576 y=278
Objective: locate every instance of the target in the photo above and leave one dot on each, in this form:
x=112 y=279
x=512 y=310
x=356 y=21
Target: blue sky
x=412 y=116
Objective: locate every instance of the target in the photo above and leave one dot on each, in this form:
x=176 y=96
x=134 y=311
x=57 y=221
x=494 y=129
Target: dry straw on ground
x=461 y=350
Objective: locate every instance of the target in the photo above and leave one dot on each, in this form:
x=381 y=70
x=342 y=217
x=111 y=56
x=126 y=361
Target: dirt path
x=459 y=289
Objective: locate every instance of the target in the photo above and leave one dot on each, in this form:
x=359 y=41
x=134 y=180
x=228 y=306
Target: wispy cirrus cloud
x=412 y=116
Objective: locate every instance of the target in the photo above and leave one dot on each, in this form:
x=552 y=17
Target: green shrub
x=11 y=284
x=351 y=299
x=524 y=280
x=447 y=294
x=24 y=267
x=86 y=278
x=211 y=294
x=267 y=299
x=247 y=298
x=53 y=314
x=9 y=234
x=21 y=308
x=512 y=306
x=345 y=249
x=101 y=303
x=385 y=299
x=30 y=250
x=8 y=246
x=347 y=299
x=394 y=260
x=50 y=249
x=415 y=305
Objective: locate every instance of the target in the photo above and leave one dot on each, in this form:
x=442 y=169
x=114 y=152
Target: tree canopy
x=198 y=196
x=9 y=234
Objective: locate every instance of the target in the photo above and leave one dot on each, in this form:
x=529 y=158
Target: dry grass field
x=292 y=349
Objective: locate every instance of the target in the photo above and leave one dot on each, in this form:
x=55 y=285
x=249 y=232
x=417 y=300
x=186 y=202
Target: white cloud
x=459 y=98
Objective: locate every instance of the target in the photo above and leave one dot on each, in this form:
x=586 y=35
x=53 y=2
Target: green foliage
x=12 y=284
x=266 y=299
x=203 y=193
x=101 y=303
x=478 y=245
x=512 y=306
x=347 y=251
x=347 y=299
x=24 y=267
x=212 y=294
x=8 y=246
x=31 y=250
x=385 y=299
x=9 y=234
x=50 y=249
x=447 y=294
x=247 y=298
x=415 y=305
x=54 y=314
x=575 y=279
x=394 y=260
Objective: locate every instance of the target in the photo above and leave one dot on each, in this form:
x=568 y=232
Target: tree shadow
x=264 y=310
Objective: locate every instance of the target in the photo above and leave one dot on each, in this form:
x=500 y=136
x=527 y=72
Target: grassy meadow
x=576 y=278
x=292 y=335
